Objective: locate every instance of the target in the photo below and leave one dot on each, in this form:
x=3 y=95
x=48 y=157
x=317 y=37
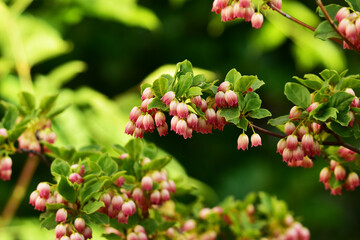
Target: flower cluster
x=349 y=26
x=183 y=122
x=39 y=131
x=5 y=168
x=66 y=230
x=339 y=175
x=242 y=9
x=301 y=142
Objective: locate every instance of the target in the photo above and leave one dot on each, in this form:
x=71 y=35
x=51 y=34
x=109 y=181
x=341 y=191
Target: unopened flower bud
x=165 y=195
x=134 y=114
x=3 y=132
x=231 y=98
x=342 y=13
x=117 y=202
x=147 y=93
x=340 y=172
x=163 y=130
x=79 y=224
x=312 y=107
x=173 y=107
x=182 y=110
x=146 y=183
x=44 y=190
x=119 y=181
x=257 y=20
x=106 y=199
x=189 y=225
x=130 y=128
x=295 y=113
x=224 y=87
x=255 y=140
x=61 y=215
x=289 y=128
x=168 y=97
x=155 y=197
x=325 y=175
x=243 y=142
x=77 y=236
x=159 y=118
x=76 y=178
x=291 y=142
x=87 y=233
x=60 y=230
x=281 y=146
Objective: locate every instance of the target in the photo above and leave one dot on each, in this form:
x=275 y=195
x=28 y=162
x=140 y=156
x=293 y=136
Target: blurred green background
x=97 y=52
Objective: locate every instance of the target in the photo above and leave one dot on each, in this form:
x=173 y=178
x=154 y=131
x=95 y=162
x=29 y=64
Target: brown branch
x=333 y=25
x=272 y=6
x=19 y=191
x=263 y=130
x=41 y=156
x=339 y=140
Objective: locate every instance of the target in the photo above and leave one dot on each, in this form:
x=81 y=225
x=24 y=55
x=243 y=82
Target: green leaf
x=183 y=68
x=28 y=100
x=57 y=111
x=11 y=115
x=311 y=81
x=324 y=31
x=341 y=101
x=330 y=76
x=257 y=84
x=119 y=149
x=297 y=94
x=354 y=4
x=157 y=103
x=66 y=190
x=232 y=76
x=47 y=103
x=350 y=82
x=252 y=102
x=160 y=86
x=47 y=220
x=243 y=123
x=230 y=113
x=194 y=91
x=150 y=225
x=244 y=83
x=340 y=130
x=89 y=189
x=97 y=218
x=107 y=164
x=279 y=120
x=356 y=110
x=332 y=10
x=156 y=164
x=199 y=80
x=60 y=168
x=183 y=85
x=92 y=207
x=134 y=147
x=260 y=113
x=129 y=179
x=325 y=113
x=150 y=150
x=144 y=86
x=343 y=119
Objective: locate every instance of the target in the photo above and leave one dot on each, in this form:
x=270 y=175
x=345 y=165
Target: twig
x=272 y=6
x=41 y=156
x=332 y=24
x=19 y=191
x=274 y=134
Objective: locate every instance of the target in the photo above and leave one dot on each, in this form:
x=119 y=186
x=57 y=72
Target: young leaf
x=343 y=119
x=324 y=31
x=297 y=94
x=311 y=81
x=134 y=147
x=47 y=220
x=243 y=123
x=252 y=102
x=257 y=84
x=260 y=113
x=66 y=190
x=331 y=76
x=350 y=82
x=341 y=101
x=9 y=120
x=326 y=113
x=194 y=91
x=160 y=86
x=232 y=76
x=279 y=120
x=157 y=103
x=28 y=100
x=332 y=10
x=92 y=207
x=156 y=164
x=89 y=189
x=57 y=111
x=244 y=83
x=107 y=164
x=354 y=4
x=144 y=86
x=183 y=68
x=230 y=113
x=184 y=83
x=60 y=168
x=199 y=80
x=97 y=218
x=47 y=103
x=340 y=130
x=119 y=149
